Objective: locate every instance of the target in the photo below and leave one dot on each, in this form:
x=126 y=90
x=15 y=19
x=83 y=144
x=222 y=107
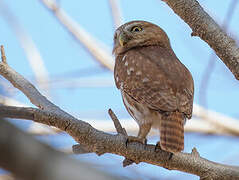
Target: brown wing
x=153 y=75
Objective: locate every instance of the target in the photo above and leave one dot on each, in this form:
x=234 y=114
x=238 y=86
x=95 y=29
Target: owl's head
x=138 y=33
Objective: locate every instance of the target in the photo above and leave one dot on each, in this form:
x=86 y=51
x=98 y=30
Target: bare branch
x=101 y=142
x=35 y=128
x=33 y=55
x=41 y=129
x=30 y=159
x=95 y=48
x=10 y=101
x=120 y=130
x=3 y=57
x=218 y=120
x=116 y=13
x=117 y=124
x=80 y=149
x=208 y=30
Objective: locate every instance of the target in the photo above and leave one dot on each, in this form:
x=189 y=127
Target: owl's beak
x=123 y=39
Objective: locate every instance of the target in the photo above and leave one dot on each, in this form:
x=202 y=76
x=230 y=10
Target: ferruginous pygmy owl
x=157 y=89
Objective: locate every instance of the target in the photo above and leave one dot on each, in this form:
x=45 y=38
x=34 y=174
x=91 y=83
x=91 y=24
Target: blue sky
x=66 y=59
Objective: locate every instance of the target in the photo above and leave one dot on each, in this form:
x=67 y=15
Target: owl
x=156 y=88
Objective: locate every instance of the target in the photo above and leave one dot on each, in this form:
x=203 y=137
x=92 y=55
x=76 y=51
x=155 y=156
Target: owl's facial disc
x=137 y=34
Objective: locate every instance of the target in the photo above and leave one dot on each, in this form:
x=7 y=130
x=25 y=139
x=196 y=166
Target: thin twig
x=117 y=124
x=4 y=60
x=120 y=130
x=94 y=47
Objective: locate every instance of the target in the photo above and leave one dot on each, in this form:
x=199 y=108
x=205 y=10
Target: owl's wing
x=153 y=75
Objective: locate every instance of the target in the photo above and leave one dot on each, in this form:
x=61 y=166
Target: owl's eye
x=136 y=29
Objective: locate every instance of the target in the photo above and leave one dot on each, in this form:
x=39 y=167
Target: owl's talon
x=158 y=146
x=170 y=156
x=135 y=139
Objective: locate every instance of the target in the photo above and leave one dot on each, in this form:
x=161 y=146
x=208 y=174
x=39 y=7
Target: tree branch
x=29 y=47
x=30 y=159
x=208 y=30
x=116 y=13
x=92 y=45
x=101 y=142
x=3 y=57
x=117 y=124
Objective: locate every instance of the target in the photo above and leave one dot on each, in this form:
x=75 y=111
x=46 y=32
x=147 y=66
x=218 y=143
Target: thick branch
x=208 y=30
x=30 y=159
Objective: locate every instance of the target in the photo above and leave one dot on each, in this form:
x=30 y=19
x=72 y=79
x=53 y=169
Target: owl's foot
x=158 y=146
x=135 y=139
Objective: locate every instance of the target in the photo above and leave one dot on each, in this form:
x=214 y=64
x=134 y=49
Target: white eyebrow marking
x=129 y=26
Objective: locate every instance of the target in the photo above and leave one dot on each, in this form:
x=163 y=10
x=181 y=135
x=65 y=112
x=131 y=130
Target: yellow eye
x=136 y=29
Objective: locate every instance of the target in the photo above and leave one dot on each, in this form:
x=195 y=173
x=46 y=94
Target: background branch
x=33 y=55
x=94 y=47
x=208 y=30
x=116 y=13
x=30 y=159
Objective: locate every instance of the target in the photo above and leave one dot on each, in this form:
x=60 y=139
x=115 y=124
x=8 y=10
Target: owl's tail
x=172 y=132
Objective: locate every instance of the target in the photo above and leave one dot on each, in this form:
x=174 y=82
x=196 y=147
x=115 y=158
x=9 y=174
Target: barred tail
x=172 y=132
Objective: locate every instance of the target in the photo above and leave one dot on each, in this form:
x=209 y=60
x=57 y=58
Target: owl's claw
x=135 y=139
x=158 y=146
